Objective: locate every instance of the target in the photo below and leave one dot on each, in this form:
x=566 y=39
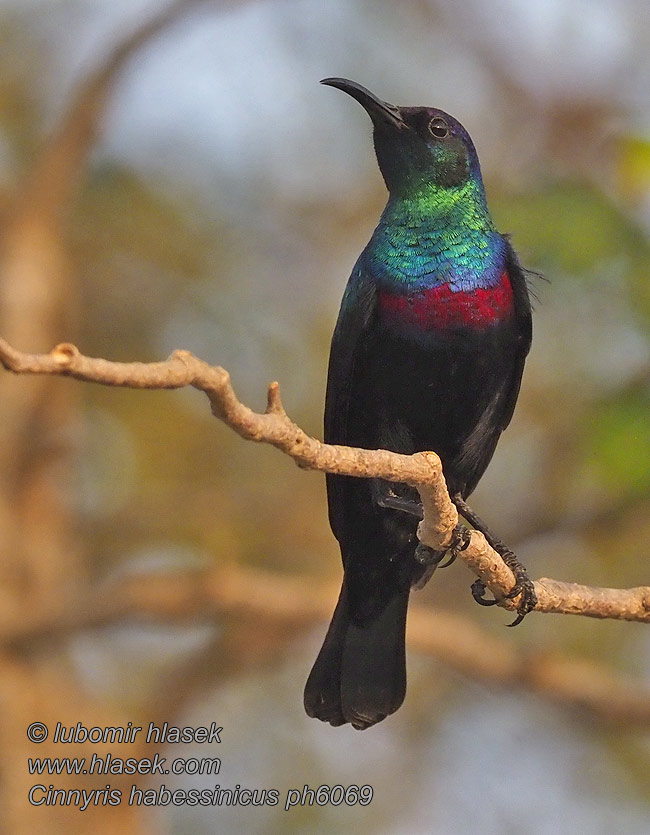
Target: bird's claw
x=461 y=536
x=427 y=556
x=523 y=586
x=460 y=539
x=433 y=560
x=429 y=560
x=478 y=593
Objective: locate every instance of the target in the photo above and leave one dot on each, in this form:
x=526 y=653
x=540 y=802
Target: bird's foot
x=432 y=560
x=523 y=586
x=460 y=539
x=478 y=593
x=461 y=536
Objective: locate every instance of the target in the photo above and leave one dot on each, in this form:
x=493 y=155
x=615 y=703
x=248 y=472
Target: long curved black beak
x=379 y=111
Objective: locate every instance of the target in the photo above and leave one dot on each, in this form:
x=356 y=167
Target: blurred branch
x=33 y=252
x=55 y=173
x=273 y=601
x=421 y=470
x=41 y=558
x=36 y=302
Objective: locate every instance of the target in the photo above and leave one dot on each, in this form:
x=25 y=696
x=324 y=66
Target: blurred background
x=172 y=176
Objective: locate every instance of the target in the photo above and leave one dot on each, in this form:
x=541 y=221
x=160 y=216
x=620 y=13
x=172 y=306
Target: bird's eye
x=438 y=128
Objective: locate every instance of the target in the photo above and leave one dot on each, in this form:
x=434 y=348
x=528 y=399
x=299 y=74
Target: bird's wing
x=525 y=330
x=351 y=343
x=351 y=347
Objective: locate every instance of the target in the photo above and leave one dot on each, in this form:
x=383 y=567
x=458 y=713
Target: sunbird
x=427 y=354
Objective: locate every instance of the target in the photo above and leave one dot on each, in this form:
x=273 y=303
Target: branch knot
x=64 y=354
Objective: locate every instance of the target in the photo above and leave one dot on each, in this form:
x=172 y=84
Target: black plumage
x=407 y=375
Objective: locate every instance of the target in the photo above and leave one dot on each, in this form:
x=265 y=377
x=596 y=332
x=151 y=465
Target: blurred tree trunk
x=42 y=562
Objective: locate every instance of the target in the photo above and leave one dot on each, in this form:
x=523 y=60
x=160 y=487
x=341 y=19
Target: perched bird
x=427 y=354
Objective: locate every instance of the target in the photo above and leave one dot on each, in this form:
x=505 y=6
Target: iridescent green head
x=417 y=147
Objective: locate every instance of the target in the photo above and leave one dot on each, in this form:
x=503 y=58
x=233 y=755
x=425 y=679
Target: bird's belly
x=433 y=391
x=442 y=308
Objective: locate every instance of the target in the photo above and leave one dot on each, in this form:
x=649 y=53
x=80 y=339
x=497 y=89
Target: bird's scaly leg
x=523 y=584
x=384 y=495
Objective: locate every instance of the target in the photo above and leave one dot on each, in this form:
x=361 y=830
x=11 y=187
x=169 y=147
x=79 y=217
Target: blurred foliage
x=573 y=227
x=634 y=166
x=618 y=444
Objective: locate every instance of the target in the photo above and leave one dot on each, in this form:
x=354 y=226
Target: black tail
x=360 y=673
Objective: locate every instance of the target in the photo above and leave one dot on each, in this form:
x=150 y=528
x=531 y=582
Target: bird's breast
x=442 y=307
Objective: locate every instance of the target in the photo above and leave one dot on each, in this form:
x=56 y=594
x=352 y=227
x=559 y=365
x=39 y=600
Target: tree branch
x=248 y=594
x=421 y=470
